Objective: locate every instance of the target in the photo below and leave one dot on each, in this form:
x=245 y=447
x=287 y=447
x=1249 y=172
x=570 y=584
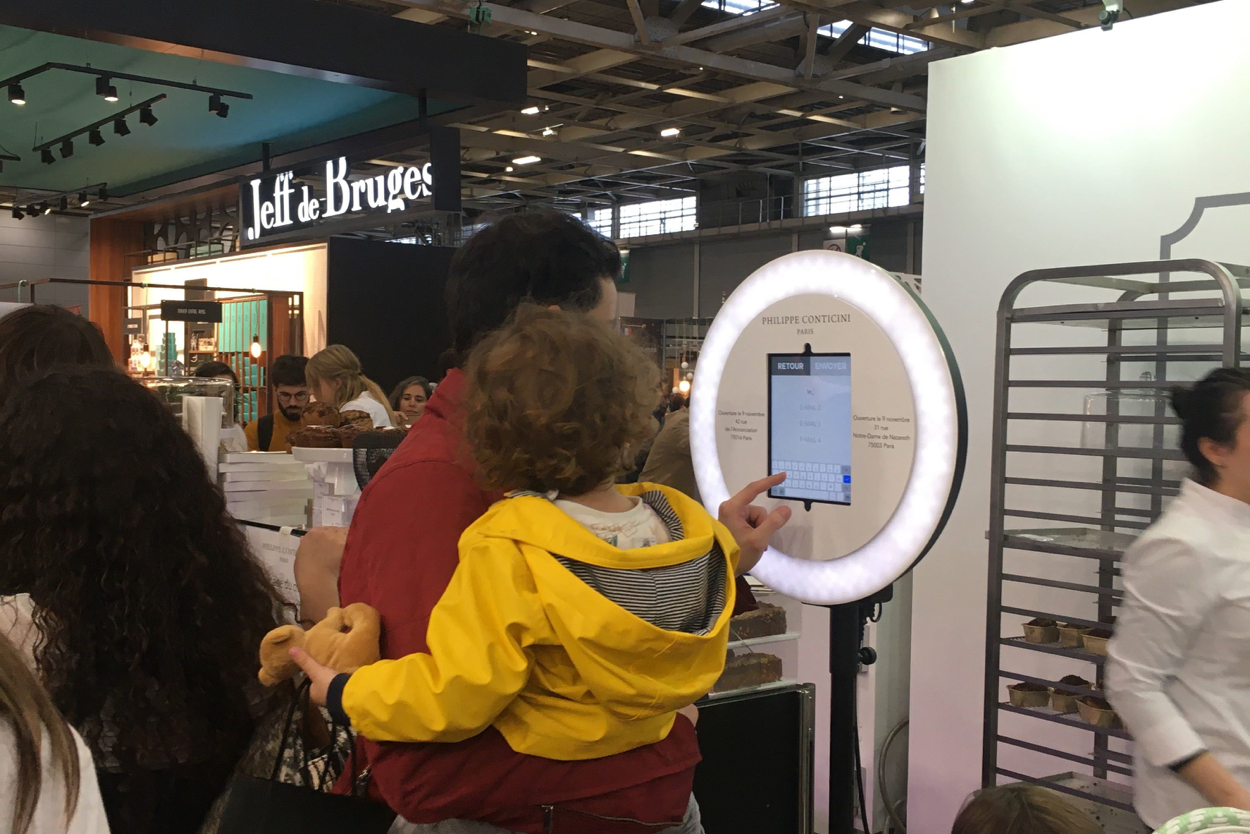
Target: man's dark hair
x=543 y=257
x=288 y=369
x=210 y=370
x=41 y=336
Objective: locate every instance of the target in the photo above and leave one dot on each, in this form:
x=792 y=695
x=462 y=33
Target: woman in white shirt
x=1179 y=667
x=336 y=378
x=47 y=779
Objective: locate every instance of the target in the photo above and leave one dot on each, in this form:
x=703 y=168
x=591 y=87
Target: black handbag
x=268 y=806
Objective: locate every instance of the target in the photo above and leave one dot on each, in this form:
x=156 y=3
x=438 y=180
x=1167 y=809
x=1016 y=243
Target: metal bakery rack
x=1084 y=458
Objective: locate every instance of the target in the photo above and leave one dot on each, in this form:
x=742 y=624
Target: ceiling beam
x=622 y=41
x=733 y=24
x=640 y=23
x=808 y=65
x=775 y=29
x=846 y=41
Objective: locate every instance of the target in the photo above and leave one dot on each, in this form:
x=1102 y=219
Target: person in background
x=564 y=671
x=290 y=395
x=336 y=378
x=410 y=396
x=40 y=336
x=669 y=461
x=1177 y=672
x=217 y=370
x=402 y=551
x=47 y=780
x=233 y=439
x=1022 y=809
x=130 y=591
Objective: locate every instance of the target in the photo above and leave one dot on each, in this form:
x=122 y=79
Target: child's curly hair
x=557 y=401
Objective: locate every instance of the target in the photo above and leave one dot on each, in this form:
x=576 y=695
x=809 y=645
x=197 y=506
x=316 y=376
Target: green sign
x=857 y=246
x=624 y=279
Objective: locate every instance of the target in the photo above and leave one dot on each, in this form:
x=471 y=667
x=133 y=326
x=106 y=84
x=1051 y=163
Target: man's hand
x=319 y=675
x=750 y=525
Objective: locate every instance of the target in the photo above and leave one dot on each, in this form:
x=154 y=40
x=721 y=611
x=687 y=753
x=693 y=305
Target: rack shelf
x=763 y=641
x=1095 y=519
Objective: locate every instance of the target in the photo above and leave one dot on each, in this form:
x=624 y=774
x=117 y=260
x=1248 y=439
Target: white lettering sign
x=278 y=206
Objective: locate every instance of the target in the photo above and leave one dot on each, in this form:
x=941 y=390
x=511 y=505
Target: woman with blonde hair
x=47 y=780
x=336 y=378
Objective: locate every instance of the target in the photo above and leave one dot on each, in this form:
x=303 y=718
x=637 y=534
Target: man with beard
x=290 y=395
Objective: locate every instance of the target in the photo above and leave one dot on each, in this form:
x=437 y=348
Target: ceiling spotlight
x=67 y=149
x=966 y=2
x=83 y=199
x=16 y=94
x=530 y=111
x=104 y=89
x=147 y=116
x=95 y=137
x=526 y=160
x=17 y=213
x=47 y=157
x=535 y=34
x=216 y=105
x=120 y=127
x=671 y=131
x=547 y=131
x=508 y=169
x=104 y=194
x=45 y=208
x=63 y=203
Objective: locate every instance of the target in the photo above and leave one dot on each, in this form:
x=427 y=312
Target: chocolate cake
x=749 y=670
x=321 y=414
x=765 y=621
x=347 y=436
x=315 y=437
x=358 y=419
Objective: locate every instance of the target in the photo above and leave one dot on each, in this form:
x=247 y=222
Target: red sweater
x=401 y=552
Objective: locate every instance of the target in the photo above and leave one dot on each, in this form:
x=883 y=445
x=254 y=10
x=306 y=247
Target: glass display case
x=173 y=389
x=763 y=645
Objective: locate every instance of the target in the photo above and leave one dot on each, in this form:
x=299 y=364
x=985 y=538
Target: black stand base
x=846 y=654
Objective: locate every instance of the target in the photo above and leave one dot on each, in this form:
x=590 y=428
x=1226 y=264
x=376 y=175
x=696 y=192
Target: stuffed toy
x=345 y=640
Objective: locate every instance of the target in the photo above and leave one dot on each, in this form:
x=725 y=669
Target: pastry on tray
x=1041 y=630
x=321 y=414
x=315 y=437
x=1064 y=702
x=1025 y=694
x=749 y=670
x=358 y=419
x=1098 y=712
x=347 y=435
x=765 y=621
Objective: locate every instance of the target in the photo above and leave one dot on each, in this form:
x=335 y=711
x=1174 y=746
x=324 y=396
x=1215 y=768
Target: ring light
x=827 y=304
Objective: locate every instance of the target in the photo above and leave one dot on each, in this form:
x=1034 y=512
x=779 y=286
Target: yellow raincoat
x=519 y=642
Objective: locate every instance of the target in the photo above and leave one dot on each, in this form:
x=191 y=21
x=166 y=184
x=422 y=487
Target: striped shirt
x=686 y=597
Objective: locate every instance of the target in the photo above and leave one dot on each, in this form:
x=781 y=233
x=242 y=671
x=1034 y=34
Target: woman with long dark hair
x=1178 y=672
x=138 y=600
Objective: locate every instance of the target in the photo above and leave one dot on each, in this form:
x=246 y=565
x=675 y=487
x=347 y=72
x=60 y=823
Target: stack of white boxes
x=266 y=487
x=335 y=488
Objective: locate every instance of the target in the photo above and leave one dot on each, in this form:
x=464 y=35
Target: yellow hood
x=520 y=642
x=632 y=668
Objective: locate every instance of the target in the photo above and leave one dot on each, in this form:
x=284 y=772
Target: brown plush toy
x=345 y=640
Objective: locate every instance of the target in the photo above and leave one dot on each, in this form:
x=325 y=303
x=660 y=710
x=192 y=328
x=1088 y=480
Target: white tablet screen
x=809 y=426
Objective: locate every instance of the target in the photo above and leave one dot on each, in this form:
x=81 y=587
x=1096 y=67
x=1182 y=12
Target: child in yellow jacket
x=583 y=615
